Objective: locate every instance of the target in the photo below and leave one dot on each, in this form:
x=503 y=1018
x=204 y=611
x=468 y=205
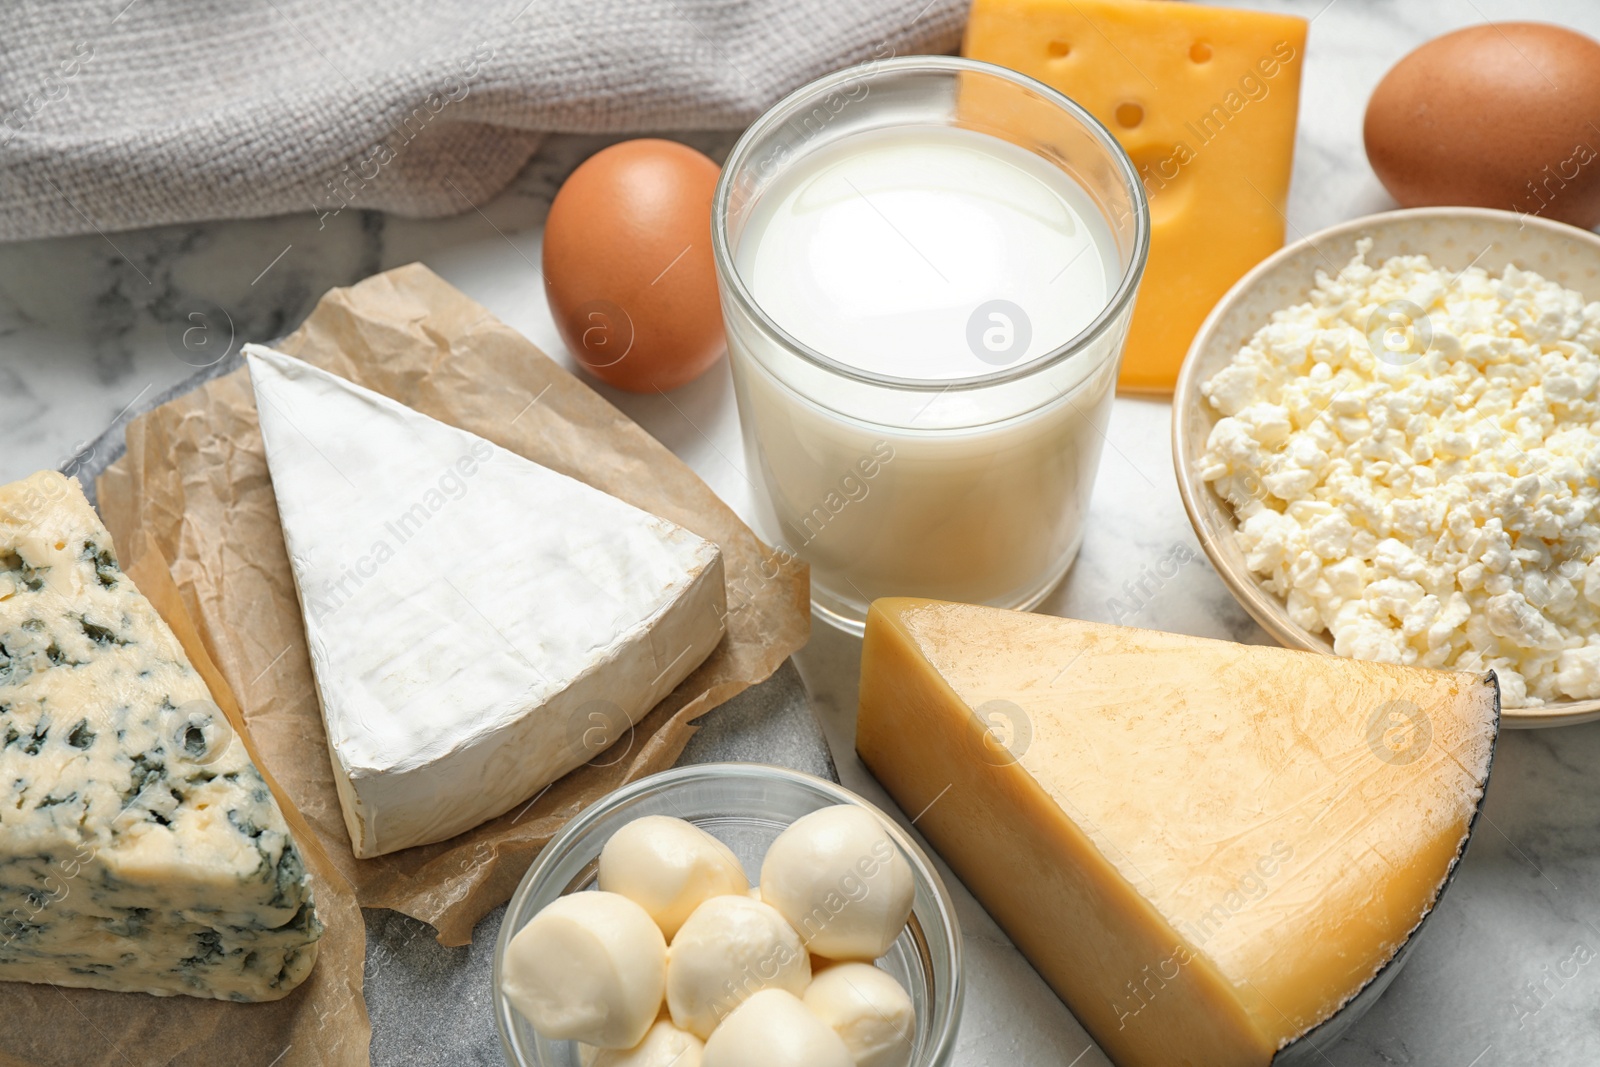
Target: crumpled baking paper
x=195 y=481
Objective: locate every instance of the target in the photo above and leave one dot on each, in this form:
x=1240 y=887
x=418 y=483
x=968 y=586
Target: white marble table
x=87 y=327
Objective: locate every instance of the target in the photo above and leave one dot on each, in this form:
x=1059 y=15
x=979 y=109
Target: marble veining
x=1509 y=971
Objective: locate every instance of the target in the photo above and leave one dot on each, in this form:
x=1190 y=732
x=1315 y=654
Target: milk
x=930 y=445
x=876 y=250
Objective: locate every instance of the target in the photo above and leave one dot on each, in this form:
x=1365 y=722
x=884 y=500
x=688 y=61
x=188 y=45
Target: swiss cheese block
x=478 y=624
x=1205 y=101
x=1207 y=849
x=140 y=849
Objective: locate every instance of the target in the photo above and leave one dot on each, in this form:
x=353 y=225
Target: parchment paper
x=195 y=480
x=323 y=1023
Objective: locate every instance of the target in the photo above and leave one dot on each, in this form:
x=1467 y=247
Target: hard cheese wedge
x=478 y=624
x=1205 y=100
x=140 y=849
x=1205 y=848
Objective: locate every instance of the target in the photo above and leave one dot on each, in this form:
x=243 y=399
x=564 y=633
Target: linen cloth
x=124 y=113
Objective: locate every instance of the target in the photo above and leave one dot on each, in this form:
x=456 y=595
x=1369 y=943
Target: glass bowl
x=746 y=806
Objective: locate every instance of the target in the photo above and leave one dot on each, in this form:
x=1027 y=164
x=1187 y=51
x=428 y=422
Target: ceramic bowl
x=1454 y=238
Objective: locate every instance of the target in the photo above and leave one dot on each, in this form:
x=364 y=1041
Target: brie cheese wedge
x=479 y=625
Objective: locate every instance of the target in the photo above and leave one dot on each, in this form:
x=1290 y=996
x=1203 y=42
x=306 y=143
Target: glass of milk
x=927 y=269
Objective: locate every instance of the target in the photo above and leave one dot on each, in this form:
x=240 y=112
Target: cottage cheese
x=1413 y=460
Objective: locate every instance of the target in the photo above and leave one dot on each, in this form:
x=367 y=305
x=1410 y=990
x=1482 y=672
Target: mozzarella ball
x=774 y=1029
x=840 y=880
x=669 y=867
x=590 y=967
x=664 y=1046
x=730 y=948
x=869 y=1011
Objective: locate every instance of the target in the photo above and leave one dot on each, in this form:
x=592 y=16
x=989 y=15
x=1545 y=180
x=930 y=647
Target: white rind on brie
x=478 y=624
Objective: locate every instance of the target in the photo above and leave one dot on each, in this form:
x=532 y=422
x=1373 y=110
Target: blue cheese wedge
x=478 y=624
x=140 y=849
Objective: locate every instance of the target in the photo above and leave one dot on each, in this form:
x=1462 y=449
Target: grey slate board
x=430 y=1005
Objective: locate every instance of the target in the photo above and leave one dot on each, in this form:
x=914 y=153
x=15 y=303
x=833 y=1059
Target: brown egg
x=628 y=268
x=1503 y=115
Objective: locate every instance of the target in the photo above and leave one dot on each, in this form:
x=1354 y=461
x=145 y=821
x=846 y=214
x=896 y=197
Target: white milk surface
x=877 y=251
